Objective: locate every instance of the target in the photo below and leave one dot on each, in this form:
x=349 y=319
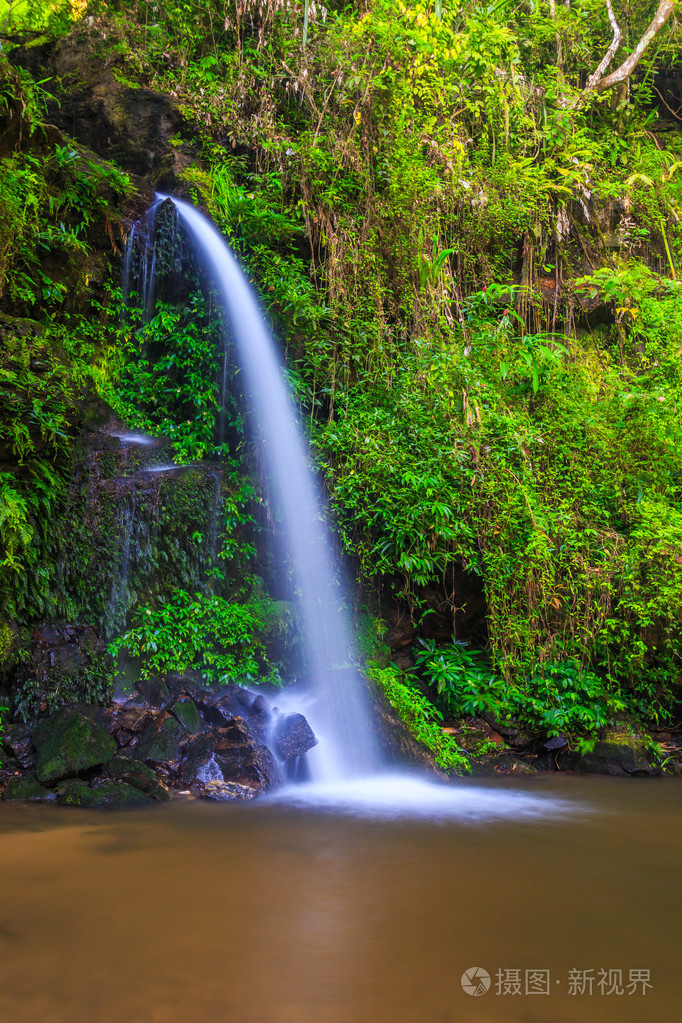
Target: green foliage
x=48 y=206
x=420 y=202
x=463 y=681
x=92 y=683
x=203 y=632
x=555 y=481
x=168 y=383
x=420 y=716
x=556 y=698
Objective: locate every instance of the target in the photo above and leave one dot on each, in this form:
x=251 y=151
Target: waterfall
x=336 y=701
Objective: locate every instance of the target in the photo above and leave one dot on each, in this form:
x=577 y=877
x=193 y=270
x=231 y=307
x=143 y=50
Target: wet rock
x=28 y=789
x=161 y=743
x=556 y=744
x=150 y=693
x=76 y=792
x=17 y=742
x=124 y=739
x=621 y=751
x=138 y=775
x=259 y=707
x=225 y=791
x=131 y=719
x=188 y=684
x=69 y=744
x=231 y=702
x=185 y=710
x=293 y=737
x=228 y=754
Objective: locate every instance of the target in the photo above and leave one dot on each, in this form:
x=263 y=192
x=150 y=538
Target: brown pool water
x=256 y=913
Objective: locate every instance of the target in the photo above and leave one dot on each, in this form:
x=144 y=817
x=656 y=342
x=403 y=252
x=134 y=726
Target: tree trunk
x=596 y=83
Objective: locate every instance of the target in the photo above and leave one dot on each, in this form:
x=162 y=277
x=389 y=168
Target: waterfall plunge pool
x=268 y=913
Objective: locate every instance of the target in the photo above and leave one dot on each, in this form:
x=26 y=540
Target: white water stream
x=346 y=772
x=339 y=715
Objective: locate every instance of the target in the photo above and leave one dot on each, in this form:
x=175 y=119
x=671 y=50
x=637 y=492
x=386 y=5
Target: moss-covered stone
x=74 y=744
x=186 y=712
x=135 y=773
x=76 y=792
x=160 y=744
x=27 y=788
x=621 y=750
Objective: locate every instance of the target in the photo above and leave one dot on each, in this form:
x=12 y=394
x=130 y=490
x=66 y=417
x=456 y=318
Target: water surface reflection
x=272 y=914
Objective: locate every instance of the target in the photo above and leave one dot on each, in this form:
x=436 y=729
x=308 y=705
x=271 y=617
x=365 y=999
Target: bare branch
x=598 y=73
x=665 y=9
x=596 y=82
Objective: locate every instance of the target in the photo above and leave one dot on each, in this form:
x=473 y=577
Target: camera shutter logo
x=475 y=981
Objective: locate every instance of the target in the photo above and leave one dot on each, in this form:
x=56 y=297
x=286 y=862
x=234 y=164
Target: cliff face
x=97 y=519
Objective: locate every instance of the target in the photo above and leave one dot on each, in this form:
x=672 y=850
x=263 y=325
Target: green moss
x=28 y=789
x=186 y=712
x=69 y=744
x=74 y=792
x=161 y=744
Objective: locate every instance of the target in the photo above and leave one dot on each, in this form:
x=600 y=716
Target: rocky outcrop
x=396 y=743
x=622 y=750
x=163 y=739
x=136 y=128
x=67 y=744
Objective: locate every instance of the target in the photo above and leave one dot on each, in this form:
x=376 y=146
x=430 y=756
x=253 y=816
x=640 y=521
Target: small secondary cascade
x=337 y=703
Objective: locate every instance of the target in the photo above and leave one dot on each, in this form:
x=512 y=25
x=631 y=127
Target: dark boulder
x=76 y=792
x=228 y=754
x=18 y=743
x=68 y=744
x=231 y=702
x=292 y=737
x=620 y=751
x=27 y=788
x=161 y=744
x=185 y=710
x=138 y=775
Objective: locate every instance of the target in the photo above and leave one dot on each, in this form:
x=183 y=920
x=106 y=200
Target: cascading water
x=337 y=704
x=344 y=771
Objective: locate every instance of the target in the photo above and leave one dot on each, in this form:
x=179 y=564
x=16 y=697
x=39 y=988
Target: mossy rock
x=76 y=792
x=160 y=744
x=138 y=775
x=620 y=751
x=27 y=788
x=69 y=745
x=185 y=710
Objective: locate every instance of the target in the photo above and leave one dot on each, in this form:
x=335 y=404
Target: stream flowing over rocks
x=158 y=741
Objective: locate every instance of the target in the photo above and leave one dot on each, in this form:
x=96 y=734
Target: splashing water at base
x=400 y=795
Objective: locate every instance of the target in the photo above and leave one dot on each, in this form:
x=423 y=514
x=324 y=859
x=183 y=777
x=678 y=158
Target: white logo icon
x=475 y=981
